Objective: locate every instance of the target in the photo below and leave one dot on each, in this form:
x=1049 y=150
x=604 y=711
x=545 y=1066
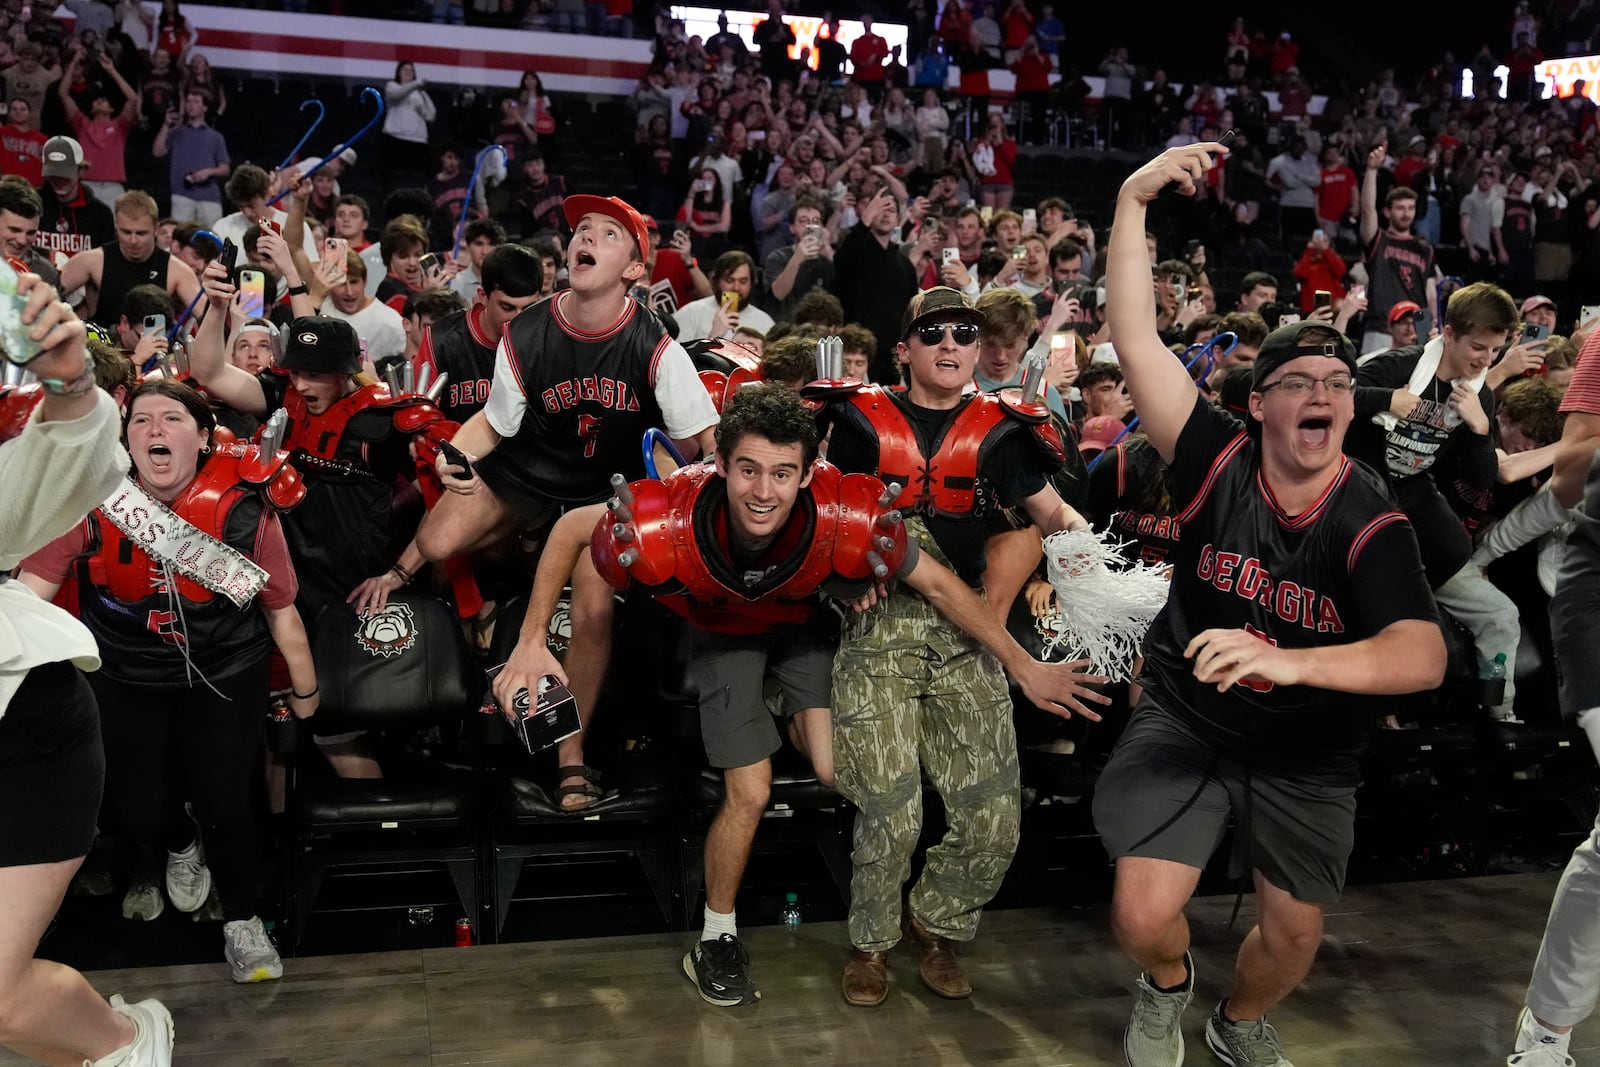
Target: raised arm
x=208 y=354
x=1161 y=389
x=1369 y=195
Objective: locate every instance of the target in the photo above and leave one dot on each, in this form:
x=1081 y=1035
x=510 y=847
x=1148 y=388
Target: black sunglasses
x=932 y=333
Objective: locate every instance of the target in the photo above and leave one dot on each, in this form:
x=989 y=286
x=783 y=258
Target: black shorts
x=1167 y=794
x=535 y=510
x=1575 y=632
x=52 y=768
x=729 y=672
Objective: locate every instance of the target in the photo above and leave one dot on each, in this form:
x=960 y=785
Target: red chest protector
x=668 y=541
x=233 y=472
x=320 y=437
x=947 y=482
x=16 y=405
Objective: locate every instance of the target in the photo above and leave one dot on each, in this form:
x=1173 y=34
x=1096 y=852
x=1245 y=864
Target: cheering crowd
x=1323 y=372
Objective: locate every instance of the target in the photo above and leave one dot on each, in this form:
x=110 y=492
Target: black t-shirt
x=1398 y=268
x=1339 y=572
x=1516 y=228
x=1011 y=470
x=1128 y=495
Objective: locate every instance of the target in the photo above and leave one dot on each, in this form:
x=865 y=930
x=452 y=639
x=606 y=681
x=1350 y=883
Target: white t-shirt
x=232 y=227
x=694 y=318
x=686 y=407
x=378 y=324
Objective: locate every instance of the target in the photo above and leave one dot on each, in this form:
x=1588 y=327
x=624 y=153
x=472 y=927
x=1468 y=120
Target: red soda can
x=463 y=933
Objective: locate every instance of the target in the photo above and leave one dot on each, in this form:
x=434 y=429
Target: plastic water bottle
x=1493 y=677
x=790 y=915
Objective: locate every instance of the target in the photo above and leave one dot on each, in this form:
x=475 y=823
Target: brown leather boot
x=866 y=978
x=937 y=963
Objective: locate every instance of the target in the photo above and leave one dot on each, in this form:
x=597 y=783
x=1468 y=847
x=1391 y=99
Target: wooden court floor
x=1424 y=973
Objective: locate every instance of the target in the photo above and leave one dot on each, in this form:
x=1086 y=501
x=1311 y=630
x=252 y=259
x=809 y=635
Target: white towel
x=1422 y=377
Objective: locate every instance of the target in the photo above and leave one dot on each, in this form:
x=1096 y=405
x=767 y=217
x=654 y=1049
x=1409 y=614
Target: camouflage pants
x=910 y=689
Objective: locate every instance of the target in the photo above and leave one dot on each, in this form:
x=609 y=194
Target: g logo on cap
x=307 y=338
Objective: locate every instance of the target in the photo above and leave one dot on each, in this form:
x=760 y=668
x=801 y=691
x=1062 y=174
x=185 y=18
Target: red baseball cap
x=1404 y=307
x=1099 y=432
x=576 y=207
x=1536 y=302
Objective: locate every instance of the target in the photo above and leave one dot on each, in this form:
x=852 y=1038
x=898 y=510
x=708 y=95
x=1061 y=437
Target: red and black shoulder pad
x=1015 y=407
x=16 y=405
x=413 y=414
x=827 y=390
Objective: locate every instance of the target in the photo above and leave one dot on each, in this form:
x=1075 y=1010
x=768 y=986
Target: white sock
x=718 y=924
x=1534 y=1034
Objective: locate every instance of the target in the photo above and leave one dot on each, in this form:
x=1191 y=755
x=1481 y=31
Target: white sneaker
x=1538 y=1047
x=152 y=1036
x=143 y=901
x=250 y=952
x=188 y=879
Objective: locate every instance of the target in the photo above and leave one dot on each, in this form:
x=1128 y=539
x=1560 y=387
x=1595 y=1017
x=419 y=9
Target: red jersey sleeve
x=272 y=555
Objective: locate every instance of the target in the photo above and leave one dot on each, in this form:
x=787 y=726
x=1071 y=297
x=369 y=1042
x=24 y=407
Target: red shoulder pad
x=1048 y=438
x=716 y=384
x=16 y=405
x=286 y=489
x=860 y=501
x=414 y=413
x=651 y=536
x=827 y=390
x=1012 y=404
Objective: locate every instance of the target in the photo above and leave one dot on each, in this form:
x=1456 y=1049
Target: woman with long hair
x=406 y=159
x=708 y=214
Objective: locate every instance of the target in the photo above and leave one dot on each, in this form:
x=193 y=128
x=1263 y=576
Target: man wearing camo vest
x=911 y=691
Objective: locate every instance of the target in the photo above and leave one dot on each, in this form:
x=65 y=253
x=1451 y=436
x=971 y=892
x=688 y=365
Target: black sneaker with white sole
x=719 y=970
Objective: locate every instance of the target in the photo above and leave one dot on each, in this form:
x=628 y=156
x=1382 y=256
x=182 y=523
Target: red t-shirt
x=23 y=153
x=1583 y=394
x=1033 y=74
x=671 y=268
x=1005 y=157
x=1018 y=26
x=868 y=53
x=1334 y=195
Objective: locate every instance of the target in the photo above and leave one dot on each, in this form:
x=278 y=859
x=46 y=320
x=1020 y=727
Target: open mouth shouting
x=159 y=458
x=1314 y=433
x=583 y=258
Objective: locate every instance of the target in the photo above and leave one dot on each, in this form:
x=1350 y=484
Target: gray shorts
x=1167 y=794
x=730 y=671
x=1575 y=632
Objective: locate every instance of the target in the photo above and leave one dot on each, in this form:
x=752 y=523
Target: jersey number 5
x=1251 y=682
x=589 y=430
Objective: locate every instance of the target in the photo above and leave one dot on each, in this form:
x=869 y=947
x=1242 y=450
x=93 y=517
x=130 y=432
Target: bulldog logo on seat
x=387 y=633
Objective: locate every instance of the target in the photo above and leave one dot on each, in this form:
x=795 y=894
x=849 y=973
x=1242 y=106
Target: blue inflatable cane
x=472 y=191
x=1206 y=351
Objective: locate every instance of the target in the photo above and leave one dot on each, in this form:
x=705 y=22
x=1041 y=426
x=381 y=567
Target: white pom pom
x=1104 y=604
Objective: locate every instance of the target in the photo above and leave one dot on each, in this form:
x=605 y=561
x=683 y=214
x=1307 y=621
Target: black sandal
x=589 y=789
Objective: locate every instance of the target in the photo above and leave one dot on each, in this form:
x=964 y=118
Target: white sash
x=161 y=532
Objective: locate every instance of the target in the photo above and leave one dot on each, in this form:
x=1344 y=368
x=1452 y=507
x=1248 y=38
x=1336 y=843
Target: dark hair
x=1399 y=192
x=352 y=200
x=1250 y=328
x=731 y=261
x=513 y=270
x=405 y=63
x=1255 y=278
x=1201 y=324
x=247 y=182
x=184 y=235
x=112 y=369
x=143 y=300
x=1095 y=373
x=410 y=201
x=544 y=248
x=1534 y=405
x=804 y=200
x=768 y=410
x=489 y=228
x=854 y=338
x=1480 y=306
x=1055 y=202
x=791 y=358
x=192 y=400
x=1065 y=249
x=434 y=303
x=400 y=234
x=20 y=198
x=821 y=307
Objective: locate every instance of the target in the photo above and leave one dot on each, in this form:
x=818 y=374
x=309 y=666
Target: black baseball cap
x=321 y=345
x=942 y=303
x=1285 y=344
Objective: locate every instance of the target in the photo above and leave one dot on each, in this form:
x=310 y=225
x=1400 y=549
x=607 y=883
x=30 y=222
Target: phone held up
x=252 y=294
x=335 y=260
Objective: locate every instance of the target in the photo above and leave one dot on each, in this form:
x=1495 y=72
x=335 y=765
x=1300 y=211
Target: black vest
x=119 y=275
x=470 y=364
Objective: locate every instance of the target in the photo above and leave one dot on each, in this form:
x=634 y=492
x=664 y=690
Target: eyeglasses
x=1302 y=384
x=932 y=333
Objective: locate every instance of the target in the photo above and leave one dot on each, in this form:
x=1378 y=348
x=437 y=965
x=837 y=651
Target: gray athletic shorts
x=730 y=671
x=1167 y=794
x=1575 y=632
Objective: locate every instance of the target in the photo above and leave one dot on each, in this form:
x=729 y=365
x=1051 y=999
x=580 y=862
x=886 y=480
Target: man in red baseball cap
x=1403 y=324
x=578 y=379
x=1540 y=310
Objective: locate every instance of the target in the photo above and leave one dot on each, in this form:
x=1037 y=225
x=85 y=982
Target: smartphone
x=14 y=339
x=1030 y=220
x=952 y=255
x=1178 y=289
x=457 y=459
x=756 y=135
x=1058 y=342
x=730 y=303
x=275 y=227
x=1193 y=294
x=336 y=259
x=1019 y=252
x=1288 y=319
x=1323 y=298
x=228 y=254
x=1588 y=313
x=1534 y=331
x=814 y=232
x=155 y=324
x=429 y=265
x=1319 y=234
x=1357 y=292
x=253 y=293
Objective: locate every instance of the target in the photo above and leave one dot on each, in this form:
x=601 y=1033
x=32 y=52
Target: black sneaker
x=718 y=969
